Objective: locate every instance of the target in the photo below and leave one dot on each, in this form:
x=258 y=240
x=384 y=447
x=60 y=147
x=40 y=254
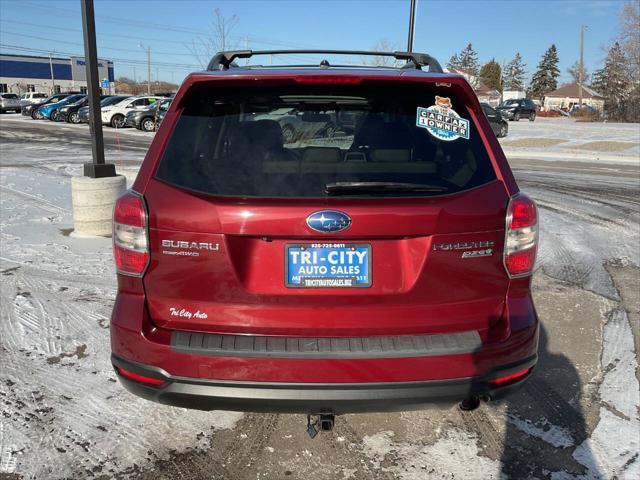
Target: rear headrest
x=266 y=134
x=370 y=129
x=376 y=133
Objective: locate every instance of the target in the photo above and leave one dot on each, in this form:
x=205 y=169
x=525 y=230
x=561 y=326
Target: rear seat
x=330 y=160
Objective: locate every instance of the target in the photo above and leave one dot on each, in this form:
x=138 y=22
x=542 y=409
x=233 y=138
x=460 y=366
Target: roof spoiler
x=225 y=60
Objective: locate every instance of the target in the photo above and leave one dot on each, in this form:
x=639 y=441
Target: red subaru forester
x=324 y=239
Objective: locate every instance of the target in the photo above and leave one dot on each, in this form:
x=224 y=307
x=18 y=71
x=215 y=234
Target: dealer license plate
x=328 y=265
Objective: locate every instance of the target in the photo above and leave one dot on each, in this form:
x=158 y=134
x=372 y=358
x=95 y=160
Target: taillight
x=521 y=236
x=512 y=377
x=139 y=378
x=130 y=246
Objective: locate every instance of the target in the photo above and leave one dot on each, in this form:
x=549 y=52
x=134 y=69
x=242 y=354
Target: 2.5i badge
x=442 y=121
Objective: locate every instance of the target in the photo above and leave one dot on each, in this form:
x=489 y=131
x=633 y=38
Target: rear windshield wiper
x=346 y=188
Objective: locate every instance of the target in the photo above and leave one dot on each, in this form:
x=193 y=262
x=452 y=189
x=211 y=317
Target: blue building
x=26 y=73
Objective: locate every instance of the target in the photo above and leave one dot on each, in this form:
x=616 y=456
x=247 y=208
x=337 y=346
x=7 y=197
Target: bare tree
x=574 y=71
x=203 y=48
x=382 y=45
x=630 y=36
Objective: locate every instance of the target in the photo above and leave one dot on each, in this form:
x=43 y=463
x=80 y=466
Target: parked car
x=499 y=125
x=83 y=112
x=584 y=110
x=69 y=113
x=515 y=109
x=31 y=109
x=50 y=111
x=114 y=115
x=148 y=119
x=32 y=98
x=297 y=124
x=9 y=102
x=389 y=269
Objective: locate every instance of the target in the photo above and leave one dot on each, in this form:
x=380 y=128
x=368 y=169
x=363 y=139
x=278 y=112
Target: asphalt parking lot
x=65 y=416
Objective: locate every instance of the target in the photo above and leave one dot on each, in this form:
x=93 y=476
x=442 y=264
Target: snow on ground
x=65 y=415
x=579 y=231
x=455 y=455
x=615 y=443
x=573 y=140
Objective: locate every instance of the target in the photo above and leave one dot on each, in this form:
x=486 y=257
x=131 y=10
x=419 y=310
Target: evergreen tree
x=612 y=82
x=454 y=62
x=469 y=60
x=491 y=75
x=514 y=74
x=545 y=79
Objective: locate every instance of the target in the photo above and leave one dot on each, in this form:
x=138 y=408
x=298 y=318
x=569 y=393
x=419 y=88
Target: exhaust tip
x=469 y=403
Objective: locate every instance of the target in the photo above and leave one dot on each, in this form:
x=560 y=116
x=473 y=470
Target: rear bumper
x=193 y=370
x=335 y=398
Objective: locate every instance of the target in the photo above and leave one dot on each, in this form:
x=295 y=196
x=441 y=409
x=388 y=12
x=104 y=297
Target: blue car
x=50 y=111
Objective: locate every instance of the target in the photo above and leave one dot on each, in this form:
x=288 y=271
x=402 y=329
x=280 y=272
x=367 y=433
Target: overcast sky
x=496 y=28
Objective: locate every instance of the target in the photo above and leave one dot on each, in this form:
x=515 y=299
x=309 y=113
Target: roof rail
x=225 y=60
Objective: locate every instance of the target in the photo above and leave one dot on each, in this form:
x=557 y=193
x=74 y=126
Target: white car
x=32 y=98
x=114 y=115
x=8 y=102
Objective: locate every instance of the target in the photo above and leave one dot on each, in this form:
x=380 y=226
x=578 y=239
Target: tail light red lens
x=156 y=382
x=512 y=377
x=130 y=246
x=521 y=236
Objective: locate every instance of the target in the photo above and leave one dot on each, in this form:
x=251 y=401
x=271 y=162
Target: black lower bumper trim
x=256 y=346
x=336 y=398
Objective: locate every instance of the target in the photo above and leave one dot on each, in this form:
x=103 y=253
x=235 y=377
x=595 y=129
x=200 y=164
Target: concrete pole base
x=93 y=200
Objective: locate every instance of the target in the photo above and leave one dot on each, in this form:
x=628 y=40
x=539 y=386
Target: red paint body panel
x=135 y=338
x=419 y=285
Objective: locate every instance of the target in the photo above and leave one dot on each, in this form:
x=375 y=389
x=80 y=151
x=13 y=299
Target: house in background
x=488 y=95
x=484 y=93
x=565 y=97
x=473 y=80
x=513 y=95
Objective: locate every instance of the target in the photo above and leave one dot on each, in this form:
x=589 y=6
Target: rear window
x=10 y=96
x=319 y=141
x=111 y=100
x=73 y=98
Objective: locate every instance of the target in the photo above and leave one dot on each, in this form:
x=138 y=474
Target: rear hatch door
x=394 y=226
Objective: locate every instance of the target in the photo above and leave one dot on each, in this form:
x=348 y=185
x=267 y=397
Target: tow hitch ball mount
x=321 y=422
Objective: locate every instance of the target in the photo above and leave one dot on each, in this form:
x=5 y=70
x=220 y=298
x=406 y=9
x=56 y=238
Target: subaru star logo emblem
x=327 y=221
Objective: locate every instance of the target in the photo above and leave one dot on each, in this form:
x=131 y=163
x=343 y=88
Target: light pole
x=98 y=168
x=581 y=68
x=53 y=85
x=148 y=50
x=412 y=18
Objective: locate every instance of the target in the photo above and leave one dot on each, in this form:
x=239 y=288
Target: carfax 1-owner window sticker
x=442 y=121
